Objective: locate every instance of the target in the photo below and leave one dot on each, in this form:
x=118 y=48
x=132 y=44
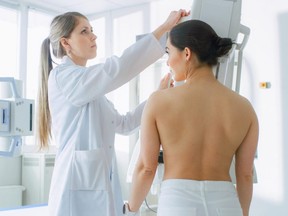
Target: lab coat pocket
x=176 y=211
x=229 y=212
x=89 y=170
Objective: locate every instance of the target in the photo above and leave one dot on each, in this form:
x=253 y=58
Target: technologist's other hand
x=166 y=82
x=127 y=212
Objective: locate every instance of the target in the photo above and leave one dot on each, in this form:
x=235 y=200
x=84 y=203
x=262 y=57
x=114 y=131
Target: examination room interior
x=25 y=178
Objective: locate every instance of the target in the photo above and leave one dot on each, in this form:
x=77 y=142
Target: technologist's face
x=82 y=42
x=176 y=61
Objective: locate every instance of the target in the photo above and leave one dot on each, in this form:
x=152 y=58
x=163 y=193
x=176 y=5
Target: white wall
x=265 y=59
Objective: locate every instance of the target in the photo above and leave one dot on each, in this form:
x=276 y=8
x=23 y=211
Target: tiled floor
x=31 y=211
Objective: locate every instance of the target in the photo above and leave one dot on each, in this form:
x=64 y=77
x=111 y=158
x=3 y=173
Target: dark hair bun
x=222 y=46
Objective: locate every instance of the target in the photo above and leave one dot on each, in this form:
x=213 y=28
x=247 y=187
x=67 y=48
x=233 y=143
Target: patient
x=201 y=125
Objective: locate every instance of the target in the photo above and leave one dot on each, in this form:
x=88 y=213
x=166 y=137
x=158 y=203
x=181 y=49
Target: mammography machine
x=16 y=118
x=224 y=16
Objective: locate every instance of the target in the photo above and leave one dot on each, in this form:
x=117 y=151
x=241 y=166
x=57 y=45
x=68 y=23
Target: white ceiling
x=86 y=7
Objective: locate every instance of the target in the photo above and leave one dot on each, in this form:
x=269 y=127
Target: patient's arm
x=244 y=166
x=148 y=159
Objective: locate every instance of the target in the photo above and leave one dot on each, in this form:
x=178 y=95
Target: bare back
x=201 y=125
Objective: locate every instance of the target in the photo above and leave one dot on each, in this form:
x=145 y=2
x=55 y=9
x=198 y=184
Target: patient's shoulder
x=158 y=100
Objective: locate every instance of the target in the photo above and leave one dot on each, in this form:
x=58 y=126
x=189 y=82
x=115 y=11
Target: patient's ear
x=188 y=53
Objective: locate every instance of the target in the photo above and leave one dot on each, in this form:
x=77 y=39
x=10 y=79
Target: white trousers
x=181 y=197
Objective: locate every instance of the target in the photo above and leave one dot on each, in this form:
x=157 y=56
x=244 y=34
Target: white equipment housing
x=16 y=119
x=224 y=17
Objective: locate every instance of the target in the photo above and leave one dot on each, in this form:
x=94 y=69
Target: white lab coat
x=85 y=180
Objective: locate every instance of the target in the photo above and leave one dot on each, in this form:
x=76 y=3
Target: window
x=38 y=30
x=8 y=42
x=125 y=30
x=99 y=29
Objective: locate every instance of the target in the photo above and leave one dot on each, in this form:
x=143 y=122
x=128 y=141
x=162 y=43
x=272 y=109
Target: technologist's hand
x=173 y=18
x=166 y=82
